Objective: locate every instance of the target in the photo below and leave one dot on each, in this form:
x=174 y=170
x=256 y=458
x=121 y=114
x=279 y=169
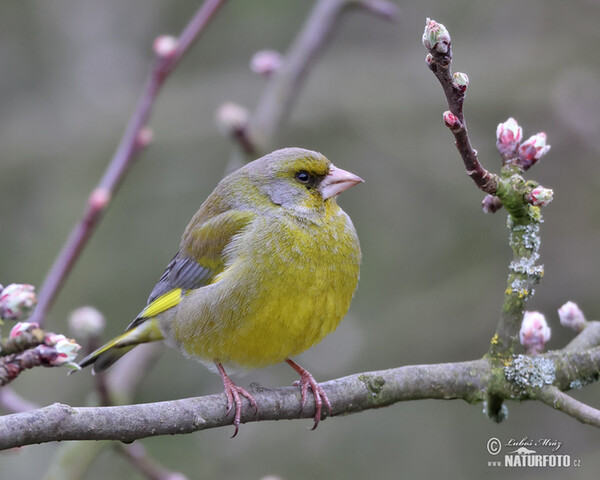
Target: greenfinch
x=266 y=269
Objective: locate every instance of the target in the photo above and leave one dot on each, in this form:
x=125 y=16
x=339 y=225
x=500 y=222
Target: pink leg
x=307 y=380
x=234 y=394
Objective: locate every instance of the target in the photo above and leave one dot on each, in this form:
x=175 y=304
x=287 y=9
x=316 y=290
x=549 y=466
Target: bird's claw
x=234 y=395
x=306 y=381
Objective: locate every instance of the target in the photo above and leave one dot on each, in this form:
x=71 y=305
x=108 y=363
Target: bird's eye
x=303 y=177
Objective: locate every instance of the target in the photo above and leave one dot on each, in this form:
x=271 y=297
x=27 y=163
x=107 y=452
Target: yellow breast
x=287 y=284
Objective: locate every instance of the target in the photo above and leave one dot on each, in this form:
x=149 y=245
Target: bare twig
x=552 y=396
x=284 y=86
x=151 y=469
x=131 y=144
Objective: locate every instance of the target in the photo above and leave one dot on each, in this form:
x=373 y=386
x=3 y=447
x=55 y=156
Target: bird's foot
x=306 y=381
x=234 y=395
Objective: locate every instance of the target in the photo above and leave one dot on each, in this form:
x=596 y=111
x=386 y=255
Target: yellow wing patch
x=162 y=303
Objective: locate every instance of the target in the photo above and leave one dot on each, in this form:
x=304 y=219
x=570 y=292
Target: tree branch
x=350 y=394
x=131 y=144
x=558 y=400
x=285 y=84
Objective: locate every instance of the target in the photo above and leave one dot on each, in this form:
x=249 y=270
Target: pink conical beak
x=337 y=181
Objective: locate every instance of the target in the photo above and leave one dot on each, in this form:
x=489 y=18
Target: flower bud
x=532 y=149
x=231 y=118
x=429 y=59
x=436 y=37
x=86 y=322
x=144 y=137
x=266 y=62
x=99 y=198
x=16 y=301
x=165 y=46
x=508 y=136
x=21 y=328
x=534 y=333
x=540 y=196
x=450 y=119
x=461 y=80
x=491 y=204
x=67 y=351
x=571 y=316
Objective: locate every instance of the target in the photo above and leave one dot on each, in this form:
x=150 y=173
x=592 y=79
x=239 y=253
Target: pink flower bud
x=491 y=204
x=540 y=196
x=165 y=46
x=16 y=301
x=21 y=328
x=99 y=199
x=428 y=59
x=532 y=149
x=461 y=80
x=571 y=316
x=508 y=136
x=67 y=351
x=86 y=322
x=450 y=119
x=144 y=137
x=534 y=333
x=231 y=118
x=266 y=62
x=436 y=37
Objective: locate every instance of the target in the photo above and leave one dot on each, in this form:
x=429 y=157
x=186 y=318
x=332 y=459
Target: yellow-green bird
x=266 y=269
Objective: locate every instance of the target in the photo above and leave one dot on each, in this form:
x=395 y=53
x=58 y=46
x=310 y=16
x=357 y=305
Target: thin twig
x=285 y=85
x=150 y=468
x=439 y=61
x=552 y=396
x=122 y=160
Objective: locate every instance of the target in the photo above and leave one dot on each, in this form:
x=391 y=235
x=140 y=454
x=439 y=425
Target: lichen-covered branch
x=135 y=138
x=350 y=394
x=519 y=378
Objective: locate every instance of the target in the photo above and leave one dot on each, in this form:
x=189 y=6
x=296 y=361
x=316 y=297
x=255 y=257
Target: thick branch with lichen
x=520 y=378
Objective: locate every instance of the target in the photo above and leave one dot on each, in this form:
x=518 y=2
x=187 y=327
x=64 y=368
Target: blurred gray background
x=434 y=268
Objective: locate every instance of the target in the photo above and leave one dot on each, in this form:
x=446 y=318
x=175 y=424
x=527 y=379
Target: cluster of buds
x=16 y=301
x=572 y=317
x=436 y=37
x=534 y=333
x=508 y=141
x=266 y=62
x=55 y=350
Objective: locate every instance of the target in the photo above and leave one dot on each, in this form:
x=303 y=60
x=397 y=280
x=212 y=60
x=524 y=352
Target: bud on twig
x=436 y=37
x=534 y=333
x=572 y=317
x=231 y=118
x=508 y=136
x=16 y=301
x=165 y=46
x=540 y=196
x=451 y=120
x=266 y=62
x=461 y=80
x=491 y=204
x=532 y=149
x=86 y=322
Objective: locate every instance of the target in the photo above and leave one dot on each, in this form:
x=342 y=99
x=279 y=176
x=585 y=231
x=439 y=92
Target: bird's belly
x=280 y=321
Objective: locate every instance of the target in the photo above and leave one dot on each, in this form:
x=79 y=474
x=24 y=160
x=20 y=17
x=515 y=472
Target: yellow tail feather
x=110 y=352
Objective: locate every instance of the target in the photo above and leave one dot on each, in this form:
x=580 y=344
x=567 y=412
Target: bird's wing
x=197 y=263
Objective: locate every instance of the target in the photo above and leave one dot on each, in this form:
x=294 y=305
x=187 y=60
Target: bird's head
x=299 y=179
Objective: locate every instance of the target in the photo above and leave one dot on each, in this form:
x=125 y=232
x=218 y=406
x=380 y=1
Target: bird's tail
x=110 y=352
